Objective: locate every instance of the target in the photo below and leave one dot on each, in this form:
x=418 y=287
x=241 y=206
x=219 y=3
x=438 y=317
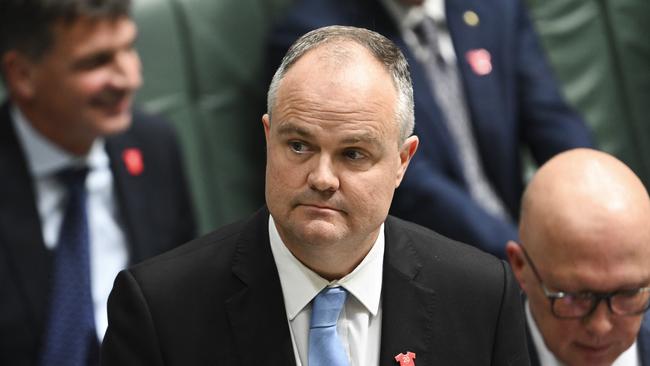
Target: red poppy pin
x=133 y=160
x=480 y=60
x=407 y=359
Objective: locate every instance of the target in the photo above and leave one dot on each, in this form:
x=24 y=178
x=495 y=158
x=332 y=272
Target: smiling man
x=322 y=275
x=583 y=262
x=88 y=187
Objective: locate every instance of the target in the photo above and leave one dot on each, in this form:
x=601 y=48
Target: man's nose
x=322 y=176
x=600 y=321
x=127 y=71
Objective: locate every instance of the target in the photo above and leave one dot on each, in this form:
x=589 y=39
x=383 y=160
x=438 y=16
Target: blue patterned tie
x=70 y=337
x=325 y=347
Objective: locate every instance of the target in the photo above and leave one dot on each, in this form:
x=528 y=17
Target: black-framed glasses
x=581 y=304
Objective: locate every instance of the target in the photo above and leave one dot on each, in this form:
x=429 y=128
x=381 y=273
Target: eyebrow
x=365 y=137
x=290 y=128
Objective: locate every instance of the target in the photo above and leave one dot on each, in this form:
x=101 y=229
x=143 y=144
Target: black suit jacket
x=155 y=207
x=218 y=301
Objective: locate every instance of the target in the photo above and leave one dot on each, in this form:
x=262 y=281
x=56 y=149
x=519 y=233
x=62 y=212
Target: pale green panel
x=202 y=63
x=166 y=88
x=585 y=54
x=631 y=28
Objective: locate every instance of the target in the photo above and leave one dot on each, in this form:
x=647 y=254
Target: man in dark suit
x=322 y=275
x=583 y=262
x=483 y=92
x=71 y=71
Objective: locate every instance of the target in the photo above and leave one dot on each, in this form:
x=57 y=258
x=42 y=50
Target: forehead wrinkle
x=289 y=128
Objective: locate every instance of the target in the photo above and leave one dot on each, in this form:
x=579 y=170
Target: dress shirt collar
x=408 y=16
x=45 y=158
x=300 y=284
x=546 y=358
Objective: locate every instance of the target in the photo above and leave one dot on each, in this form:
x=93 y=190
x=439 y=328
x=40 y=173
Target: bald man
x=584 y=262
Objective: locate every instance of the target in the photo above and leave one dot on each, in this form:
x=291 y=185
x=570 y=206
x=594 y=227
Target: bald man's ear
x=406 y=152
x=17 y=69
x=517 y=262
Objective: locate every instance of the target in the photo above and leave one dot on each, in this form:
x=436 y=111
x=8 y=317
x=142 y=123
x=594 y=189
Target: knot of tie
x=73 y=178
x=325 y=347
x=327 y=307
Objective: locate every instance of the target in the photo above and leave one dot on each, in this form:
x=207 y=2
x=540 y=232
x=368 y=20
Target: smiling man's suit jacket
x=218 y=301
x=517 y=104
x=155 y=208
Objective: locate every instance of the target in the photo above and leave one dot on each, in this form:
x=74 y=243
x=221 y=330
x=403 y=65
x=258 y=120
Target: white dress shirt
x=108 y=247
x=359 y=324
x=408 y=16
x=628 y=358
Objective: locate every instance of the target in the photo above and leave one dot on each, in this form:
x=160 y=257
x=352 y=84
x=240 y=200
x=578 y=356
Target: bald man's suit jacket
x=218 y=301
x=516 y=104
x=643 y=344
x=155 y=208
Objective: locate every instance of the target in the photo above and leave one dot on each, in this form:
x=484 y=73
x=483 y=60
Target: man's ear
x=18 y=72
x=517 y=262
x=266 y=122
x=408 y=149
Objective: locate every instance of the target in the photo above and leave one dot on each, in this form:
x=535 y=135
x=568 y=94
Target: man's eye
x=354 y=154
x=297 y=146
x=94 y=61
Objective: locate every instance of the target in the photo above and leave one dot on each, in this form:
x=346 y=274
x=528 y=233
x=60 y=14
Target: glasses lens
x=631 y=302
x=573 y=306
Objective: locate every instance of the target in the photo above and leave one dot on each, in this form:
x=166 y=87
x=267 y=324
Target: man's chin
x=594 y=359
x=321 y=232
x=115 y=123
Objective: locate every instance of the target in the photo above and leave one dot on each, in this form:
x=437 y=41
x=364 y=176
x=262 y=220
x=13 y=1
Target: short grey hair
x=384 y=50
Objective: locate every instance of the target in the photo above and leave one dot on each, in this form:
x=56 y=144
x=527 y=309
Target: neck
x=332 y=261
x=73 y=142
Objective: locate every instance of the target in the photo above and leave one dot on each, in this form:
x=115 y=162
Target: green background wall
x=600 y=50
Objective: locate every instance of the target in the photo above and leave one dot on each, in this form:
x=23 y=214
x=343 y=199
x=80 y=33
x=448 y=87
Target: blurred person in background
x=88 y=185
x=483 y=92
x=583 y=262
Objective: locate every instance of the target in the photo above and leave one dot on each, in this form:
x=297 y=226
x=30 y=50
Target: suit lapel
x=484 y=97
x=131 y=193
x=532 y=349
x=257 y=313
x=20 y=228
x=408 y=309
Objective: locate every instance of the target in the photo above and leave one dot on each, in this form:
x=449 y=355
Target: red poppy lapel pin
x=407 y=359
x=480 y=61
x=132 y=158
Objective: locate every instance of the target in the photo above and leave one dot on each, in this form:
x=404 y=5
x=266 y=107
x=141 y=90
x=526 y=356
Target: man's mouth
x=113 y=103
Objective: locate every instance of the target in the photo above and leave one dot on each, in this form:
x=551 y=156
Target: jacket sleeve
x=131 y=338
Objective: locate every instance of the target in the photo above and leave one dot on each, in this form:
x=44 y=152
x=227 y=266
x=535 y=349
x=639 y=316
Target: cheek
x=627 y=328
x=90 y=84
x=282 y=172
x=371 y=193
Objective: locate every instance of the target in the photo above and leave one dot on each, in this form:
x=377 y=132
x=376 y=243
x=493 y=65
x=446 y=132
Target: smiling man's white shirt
x=628 y=358
x=359 y=325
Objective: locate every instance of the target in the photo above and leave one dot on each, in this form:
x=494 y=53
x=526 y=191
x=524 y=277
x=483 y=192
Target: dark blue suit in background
x=517 y=104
